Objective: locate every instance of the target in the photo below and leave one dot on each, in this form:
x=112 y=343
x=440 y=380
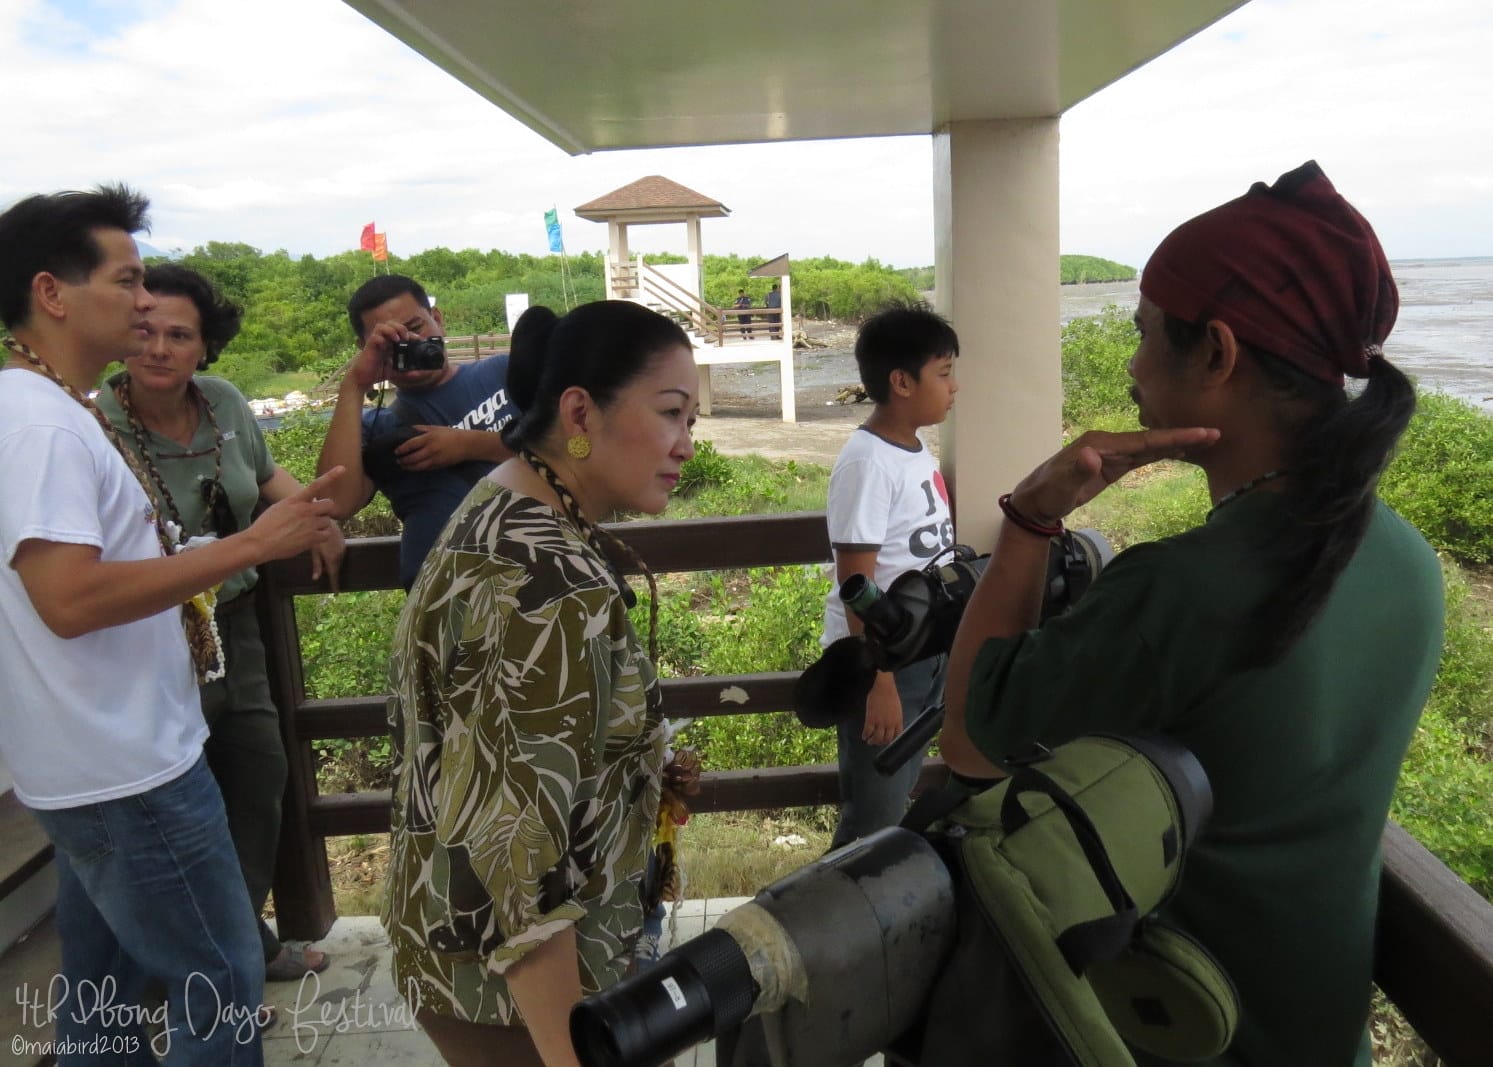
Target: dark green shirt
x=1303 y=754
x=246 y=462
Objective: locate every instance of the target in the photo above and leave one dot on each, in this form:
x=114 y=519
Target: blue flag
x=552 y=226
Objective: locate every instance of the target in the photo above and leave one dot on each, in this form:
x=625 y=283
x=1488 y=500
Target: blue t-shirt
x=475 y=398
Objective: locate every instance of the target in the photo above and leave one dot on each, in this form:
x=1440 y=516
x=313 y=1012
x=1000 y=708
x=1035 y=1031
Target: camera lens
x=884 y=618
x=419 y=353
x=696 y=992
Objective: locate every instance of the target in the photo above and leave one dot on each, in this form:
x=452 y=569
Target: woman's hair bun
x=526 y=348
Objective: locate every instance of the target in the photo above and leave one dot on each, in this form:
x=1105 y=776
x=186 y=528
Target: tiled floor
x=351 y=1016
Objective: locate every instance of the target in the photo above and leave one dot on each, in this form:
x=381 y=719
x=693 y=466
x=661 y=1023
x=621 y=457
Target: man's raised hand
x=299 y=521
x=1096 y=460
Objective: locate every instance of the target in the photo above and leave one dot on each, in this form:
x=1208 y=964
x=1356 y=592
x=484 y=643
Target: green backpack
x=1060 y=869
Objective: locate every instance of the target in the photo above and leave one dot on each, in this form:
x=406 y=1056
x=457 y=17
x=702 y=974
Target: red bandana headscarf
x=1293 y=270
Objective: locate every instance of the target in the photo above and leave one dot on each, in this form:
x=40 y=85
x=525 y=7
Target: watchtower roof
x=652 y=194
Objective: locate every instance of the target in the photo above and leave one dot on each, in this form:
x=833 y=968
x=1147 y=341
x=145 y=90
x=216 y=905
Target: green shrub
x=251 y=370
x=1440 y=477
x=1080 y=269
x=1096 y=386
x=1443 y=800
x=1160 y=501
x=345 y=642
x=1445 y=794
x=295 y=445
x=753 y=485
x=705 y=469
x=762 y=620
x=775 y=739
x=776 y=627
x=682 y=637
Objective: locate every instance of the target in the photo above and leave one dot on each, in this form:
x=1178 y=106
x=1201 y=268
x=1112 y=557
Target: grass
x=286 y=382
x=724 y=854
x=747 y=485
x=736 y=853
x=1395 y=1042
x=357 y=865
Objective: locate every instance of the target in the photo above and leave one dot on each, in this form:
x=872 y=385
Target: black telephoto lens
x=694 y=993
x=884 y=618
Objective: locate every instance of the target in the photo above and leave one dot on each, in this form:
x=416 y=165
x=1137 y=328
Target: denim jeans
x=870 y=801
x=149 y=890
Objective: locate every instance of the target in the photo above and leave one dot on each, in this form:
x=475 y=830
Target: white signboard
x=515 y=305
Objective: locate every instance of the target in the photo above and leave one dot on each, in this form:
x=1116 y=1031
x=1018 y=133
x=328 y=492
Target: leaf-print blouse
x=528 y=748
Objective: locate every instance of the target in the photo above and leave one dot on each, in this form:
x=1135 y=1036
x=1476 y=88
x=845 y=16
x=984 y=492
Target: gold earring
x=578 y=446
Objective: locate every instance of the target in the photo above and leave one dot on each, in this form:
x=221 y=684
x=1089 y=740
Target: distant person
x=208 y=469
x=744 y=301
x=774 y=299
x=1289 y=641
x=888 y=512
x=428 y=448
x=102 y=650
x=528 y=732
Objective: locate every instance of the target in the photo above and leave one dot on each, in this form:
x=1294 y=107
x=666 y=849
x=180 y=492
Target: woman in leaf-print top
x=528 y=737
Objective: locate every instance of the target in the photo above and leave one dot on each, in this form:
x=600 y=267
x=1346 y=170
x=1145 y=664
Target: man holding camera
x=438 y=437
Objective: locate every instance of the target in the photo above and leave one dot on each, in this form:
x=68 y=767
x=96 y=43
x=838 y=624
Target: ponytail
x=1337 y=448
x=1335 y=468
x=526 y=350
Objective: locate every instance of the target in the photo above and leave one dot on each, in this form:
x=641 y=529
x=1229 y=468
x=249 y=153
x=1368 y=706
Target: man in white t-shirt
x=888 y=513
x=102 y=727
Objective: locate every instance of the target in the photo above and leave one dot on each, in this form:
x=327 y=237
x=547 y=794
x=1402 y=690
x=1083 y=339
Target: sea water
x=1443 y=338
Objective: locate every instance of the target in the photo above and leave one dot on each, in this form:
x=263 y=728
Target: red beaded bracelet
x=1020 y=521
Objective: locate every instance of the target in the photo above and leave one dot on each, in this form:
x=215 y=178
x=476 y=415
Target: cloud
x=291 y=123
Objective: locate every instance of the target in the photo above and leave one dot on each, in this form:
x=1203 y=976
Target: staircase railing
x=703 y=318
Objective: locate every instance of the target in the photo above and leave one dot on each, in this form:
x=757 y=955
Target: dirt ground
x=746 y=412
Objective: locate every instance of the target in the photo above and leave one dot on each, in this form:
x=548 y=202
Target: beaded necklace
x=1229 y=498
x=197 y=613
x=142 y=441
x=602 y=541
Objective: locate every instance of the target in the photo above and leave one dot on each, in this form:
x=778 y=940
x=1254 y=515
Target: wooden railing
x=1435 y=935
x=695 y=314
x=467 y=347
x=636 y=279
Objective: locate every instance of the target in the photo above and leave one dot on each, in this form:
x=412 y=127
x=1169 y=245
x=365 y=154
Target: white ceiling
x=591 y=75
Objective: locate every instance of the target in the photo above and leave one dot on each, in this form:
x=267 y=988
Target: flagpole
x=557 y=244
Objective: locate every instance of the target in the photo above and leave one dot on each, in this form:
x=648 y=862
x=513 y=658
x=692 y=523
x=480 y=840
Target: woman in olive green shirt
x=208 y=469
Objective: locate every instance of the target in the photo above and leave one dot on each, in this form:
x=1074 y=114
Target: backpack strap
x=1098 y=939
x=933 y=805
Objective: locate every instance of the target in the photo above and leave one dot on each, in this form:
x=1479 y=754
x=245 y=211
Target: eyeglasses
x=220 y=519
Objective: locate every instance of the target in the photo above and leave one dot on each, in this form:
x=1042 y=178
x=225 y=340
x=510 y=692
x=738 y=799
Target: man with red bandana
x=1290 y=641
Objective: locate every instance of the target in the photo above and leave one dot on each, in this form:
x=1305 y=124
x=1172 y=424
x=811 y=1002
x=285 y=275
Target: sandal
x=291 y=965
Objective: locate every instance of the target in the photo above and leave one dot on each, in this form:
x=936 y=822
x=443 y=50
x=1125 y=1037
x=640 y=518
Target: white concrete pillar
x=617 y=256
x=697 y=261
x=995 y=217
x=785 y=364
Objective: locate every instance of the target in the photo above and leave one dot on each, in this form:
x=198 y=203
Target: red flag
x=368 y=236
x=381 y=246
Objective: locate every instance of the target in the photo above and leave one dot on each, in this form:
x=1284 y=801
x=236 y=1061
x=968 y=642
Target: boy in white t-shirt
x=889 y=513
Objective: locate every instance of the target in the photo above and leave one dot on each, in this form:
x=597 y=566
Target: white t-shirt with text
x=887 y=498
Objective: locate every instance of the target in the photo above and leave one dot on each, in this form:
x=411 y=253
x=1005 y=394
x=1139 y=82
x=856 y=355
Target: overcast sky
x=291 y=123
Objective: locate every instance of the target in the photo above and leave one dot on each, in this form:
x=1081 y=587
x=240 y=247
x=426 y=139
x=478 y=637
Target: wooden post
x=303 y=884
